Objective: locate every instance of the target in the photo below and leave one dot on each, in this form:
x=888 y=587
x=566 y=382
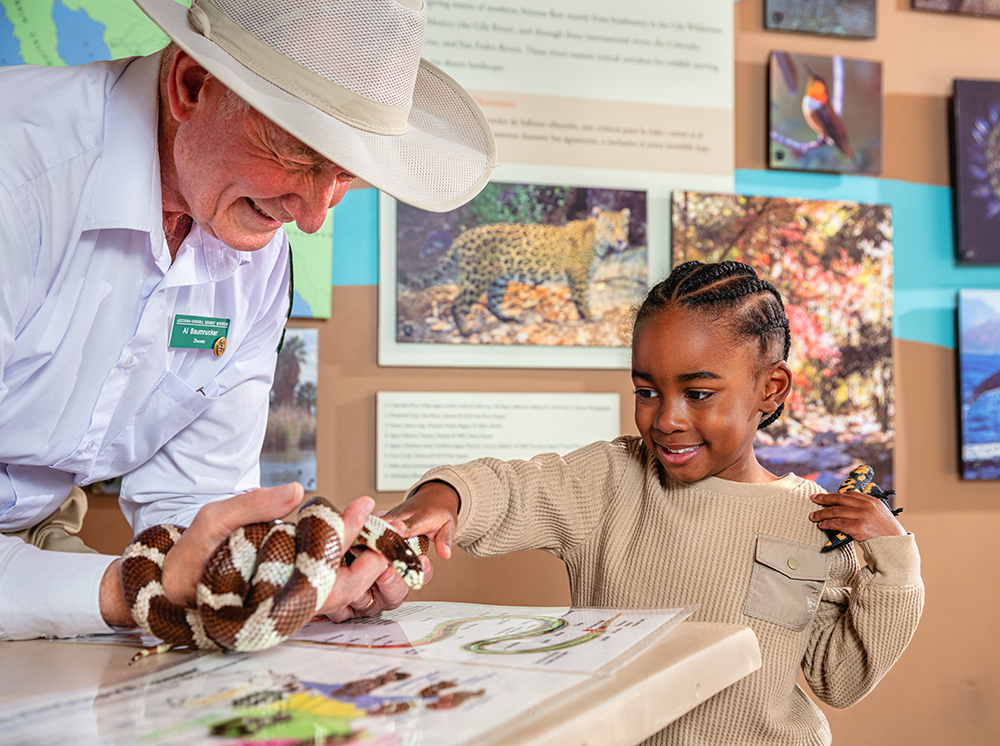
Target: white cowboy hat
x=346 y=78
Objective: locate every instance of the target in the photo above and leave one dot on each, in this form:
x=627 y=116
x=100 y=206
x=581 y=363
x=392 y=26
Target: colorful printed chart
x=442 y=674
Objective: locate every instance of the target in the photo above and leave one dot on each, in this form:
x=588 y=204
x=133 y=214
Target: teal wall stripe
x=927 y=276
x=355 y=239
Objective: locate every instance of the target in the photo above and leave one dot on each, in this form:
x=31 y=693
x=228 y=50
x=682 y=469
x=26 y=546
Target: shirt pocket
x=169 y=407
x=787 y=582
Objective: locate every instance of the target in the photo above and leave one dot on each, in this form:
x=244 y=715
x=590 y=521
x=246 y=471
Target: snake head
x=413 y=578
x=402 y=554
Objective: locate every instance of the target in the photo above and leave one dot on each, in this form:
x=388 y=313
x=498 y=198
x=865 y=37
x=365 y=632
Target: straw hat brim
x=444 y=159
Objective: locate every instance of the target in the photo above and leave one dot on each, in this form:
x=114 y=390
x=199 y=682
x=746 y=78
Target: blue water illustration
x=10 y=48
x=80 y=39
x=980 y=419
x=300 y=306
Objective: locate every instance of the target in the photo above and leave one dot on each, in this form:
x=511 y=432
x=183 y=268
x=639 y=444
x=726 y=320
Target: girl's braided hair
x=726 y=289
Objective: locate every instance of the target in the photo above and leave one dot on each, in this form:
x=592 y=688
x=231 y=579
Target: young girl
x=686 y=515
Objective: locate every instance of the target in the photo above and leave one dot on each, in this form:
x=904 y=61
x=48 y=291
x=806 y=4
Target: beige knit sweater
x=632 y=538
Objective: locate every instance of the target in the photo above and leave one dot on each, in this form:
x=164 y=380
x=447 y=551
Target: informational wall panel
x=592 y=108
x=416 y=431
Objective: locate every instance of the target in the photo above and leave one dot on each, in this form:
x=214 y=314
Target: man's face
x=240 y=177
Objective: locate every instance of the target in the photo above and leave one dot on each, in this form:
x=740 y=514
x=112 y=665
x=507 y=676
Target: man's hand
x=114 y=610
x=366 y=588
x=369 y=586
x=860 y=516
x=185 y=561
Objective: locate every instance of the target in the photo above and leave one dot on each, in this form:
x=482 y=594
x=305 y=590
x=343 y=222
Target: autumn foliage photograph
x=832 y=264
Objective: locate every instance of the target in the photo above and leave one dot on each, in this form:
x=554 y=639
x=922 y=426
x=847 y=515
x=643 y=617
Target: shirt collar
x=127 y=190
x=202 y=258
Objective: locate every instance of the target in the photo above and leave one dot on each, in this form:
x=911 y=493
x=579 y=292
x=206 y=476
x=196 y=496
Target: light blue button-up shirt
x=90 y=387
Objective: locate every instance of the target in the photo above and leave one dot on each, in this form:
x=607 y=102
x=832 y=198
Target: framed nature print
x=979 y=377
x=526 y=274
x=977 y=170
x=831 y=261
x=825 y=114
x=848 y=18
x=289 y=450
x=990 y=8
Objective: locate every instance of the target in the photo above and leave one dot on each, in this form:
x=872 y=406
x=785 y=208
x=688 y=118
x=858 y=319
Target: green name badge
x=200 y=333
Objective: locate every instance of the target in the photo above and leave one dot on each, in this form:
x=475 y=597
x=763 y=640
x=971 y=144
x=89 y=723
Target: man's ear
x=777 y=387
x=184 y=85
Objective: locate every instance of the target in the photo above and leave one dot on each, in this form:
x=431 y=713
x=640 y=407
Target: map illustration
x=75 y=32
x=427 y=673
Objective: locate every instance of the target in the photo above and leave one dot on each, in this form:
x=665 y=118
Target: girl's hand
x=432 y=511
x=367 y=588
x=860 y=516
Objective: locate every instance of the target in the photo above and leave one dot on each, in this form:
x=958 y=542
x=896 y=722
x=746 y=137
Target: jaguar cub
x=490 y=256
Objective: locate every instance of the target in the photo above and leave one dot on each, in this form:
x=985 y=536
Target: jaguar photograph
x=522 y=264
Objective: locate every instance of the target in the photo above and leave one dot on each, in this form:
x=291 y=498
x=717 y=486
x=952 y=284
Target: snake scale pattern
x=261 y=584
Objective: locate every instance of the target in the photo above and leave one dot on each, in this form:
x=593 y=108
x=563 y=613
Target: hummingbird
x=820 y=116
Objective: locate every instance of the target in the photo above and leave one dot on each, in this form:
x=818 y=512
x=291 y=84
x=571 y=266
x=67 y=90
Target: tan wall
x=945 y=688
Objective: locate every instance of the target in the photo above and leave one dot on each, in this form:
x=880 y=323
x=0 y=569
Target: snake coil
x=263 y=583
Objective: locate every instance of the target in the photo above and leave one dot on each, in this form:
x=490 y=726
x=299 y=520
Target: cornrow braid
x=726 y=288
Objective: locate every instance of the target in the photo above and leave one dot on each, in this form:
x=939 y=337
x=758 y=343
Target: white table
x=687 y=666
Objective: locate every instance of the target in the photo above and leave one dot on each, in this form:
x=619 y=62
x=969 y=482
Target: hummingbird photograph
x=825 y=114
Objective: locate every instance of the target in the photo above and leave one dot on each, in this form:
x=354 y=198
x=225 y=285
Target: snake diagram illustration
x=543 y=625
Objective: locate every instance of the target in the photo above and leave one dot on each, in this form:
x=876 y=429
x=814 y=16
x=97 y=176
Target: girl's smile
x=678 y=455
x=700 y=393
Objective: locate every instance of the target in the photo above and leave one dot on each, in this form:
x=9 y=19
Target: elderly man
x=140 y=200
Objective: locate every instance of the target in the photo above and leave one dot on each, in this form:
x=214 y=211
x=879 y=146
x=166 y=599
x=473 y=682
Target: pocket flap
x=794 y=560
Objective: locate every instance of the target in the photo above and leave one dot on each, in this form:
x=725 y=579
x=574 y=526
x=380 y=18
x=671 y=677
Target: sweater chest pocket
x=787 y=582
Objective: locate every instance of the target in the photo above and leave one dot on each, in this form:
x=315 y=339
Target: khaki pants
x=57 y=532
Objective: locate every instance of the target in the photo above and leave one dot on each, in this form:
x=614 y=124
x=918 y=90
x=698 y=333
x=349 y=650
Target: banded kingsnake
x=261 y=584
